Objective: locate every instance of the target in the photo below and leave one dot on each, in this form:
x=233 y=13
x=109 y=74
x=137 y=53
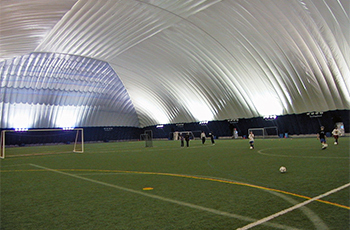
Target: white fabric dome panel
x=184 y=61
x=56 y=90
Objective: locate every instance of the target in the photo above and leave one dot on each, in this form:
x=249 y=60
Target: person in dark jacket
x=211 y=135
x=321 y=135
x=187 y=139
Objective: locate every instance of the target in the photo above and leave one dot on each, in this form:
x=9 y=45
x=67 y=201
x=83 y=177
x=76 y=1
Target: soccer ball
x=283 y=169
x=251 y=147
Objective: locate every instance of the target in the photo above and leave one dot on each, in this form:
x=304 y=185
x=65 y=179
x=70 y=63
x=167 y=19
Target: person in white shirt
x=203 y=137
x=235 y=133
x=336 y=134
x=251 y=140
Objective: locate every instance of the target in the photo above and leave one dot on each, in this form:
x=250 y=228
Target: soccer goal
x=266 y=132
x=147 y=136
x=39 y=137
x=271 y=132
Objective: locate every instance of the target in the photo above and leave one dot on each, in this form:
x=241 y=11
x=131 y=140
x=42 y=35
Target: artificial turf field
x=123 y=185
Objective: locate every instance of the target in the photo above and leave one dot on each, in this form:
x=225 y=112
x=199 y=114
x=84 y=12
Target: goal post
x=2 y=145
x=23 y=137
x=147 y=136
x=79 y=148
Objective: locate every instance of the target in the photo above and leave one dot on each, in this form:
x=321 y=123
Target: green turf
x=225 y=186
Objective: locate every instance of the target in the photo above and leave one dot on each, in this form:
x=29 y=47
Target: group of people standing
x=186 y=138
x=203 y=137
x=321 y=135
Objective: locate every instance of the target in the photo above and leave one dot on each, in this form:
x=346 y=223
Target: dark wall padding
x=104 y=134
x=294 y=124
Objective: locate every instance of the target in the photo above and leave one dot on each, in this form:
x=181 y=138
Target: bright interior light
x=67 y=128
x=22 y=118
x=21 y=129
x=267 y=105
x=67 y=116
x=152 y=110
x=200 y=111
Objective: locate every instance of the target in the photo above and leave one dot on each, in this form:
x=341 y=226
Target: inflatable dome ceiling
x=138 y=63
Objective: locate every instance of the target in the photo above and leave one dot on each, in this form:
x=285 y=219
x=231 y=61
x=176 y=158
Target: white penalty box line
x=285 y=211
x=194 y=206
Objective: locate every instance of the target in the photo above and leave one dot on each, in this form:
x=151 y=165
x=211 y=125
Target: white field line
x=268 y=218
x=261 y=152
x=194 y=206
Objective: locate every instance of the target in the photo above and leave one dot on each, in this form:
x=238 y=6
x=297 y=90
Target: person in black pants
x=203 y=137
x=182 y=140
x=187 y=139
x=321 y=135
x=211 y=135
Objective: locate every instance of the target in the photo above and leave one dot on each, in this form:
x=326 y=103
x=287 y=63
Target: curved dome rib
x=165 y=61
x=79 y=91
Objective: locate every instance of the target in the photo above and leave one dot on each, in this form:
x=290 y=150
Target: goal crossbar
x=265 y=131
x=79 y=137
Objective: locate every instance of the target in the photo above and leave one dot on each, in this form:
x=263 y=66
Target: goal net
x=71 y=140
x=271 y=131
x=266 y=132
x=147 y=136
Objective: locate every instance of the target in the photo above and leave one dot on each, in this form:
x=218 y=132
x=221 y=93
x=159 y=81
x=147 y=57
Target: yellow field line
x=191 y=177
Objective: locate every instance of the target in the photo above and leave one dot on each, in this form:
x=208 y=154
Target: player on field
x=251 y=139
x=182 y=140
x=321 y=135
x=336 y=133
x=203 y=137
x=187 y=139
x=211 y=135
